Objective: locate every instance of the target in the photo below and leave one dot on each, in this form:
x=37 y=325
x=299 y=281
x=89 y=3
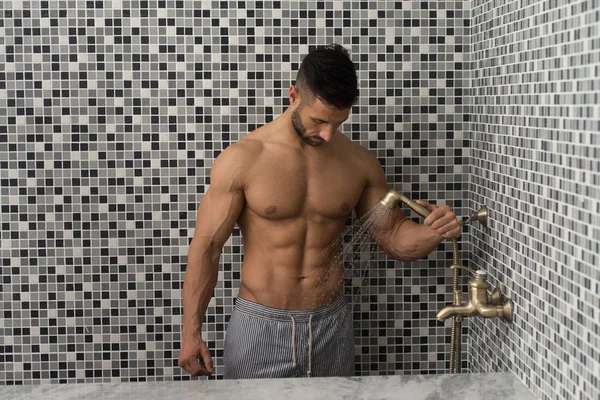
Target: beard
x=301 y=131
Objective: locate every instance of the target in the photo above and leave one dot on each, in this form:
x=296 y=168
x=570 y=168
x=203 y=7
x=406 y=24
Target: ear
x=294 y=95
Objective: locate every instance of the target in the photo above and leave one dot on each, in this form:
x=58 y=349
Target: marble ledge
x=504 y=386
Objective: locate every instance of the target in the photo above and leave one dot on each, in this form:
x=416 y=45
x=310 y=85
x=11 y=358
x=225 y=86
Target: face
x=314 y=122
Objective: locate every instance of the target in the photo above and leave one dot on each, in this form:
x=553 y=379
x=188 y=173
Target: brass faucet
x=480 y=303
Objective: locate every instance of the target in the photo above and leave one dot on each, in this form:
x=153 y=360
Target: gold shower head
x=393 y=198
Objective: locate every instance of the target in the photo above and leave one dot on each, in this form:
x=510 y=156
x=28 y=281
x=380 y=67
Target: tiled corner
x=535 y=162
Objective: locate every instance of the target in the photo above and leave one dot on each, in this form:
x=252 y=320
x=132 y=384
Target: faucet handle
x=455 y=266
x=477 y=274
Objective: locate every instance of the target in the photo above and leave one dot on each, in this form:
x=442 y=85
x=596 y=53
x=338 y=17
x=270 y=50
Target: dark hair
x=329 y=74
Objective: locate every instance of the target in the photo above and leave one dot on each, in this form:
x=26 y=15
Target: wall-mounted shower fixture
x=392 y=199
x=480 y=302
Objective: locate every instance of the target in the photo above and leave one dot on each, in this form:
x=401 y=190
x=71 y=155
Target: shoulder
x=240 y=152
x=231 y=165
x=365 y=162
x=364 y=159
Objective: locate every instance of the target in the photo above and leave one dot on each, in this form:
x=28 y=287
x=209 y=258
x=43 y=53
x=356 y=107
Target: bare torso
x=297 y=202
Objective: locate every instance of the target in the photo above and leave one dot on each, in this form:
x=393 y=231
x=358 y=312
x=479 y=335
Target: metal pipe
x=458 y=363
x=452 y=345
x=457 y=299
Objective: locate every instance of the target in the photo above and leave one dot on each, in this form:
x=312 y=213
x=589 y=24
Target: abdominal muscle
x=292 y=265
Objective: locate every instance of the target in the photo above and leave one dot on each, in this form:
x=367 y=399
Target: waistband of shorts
x=280 y=314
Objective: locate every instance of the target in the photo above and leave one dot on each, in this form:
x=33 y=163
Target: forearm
x=198 y=286
x=409 y=241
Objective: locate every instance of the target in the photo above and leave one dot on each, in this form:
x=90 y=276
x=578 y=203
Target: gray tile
x=534 y=120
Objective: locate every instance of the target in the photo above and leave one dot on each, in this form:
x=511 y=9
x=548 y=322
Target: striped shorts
x=266 y=342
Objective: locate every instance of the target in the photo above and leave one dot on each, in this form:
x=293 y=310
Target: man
x=291 y=186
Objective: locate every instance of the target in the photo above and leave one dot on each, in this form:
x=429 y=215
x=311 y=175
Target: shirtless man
x=291 y=186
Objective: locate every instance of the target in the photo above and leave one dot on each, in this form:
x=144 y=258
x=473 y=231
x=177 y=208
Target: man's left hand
x=442 y=220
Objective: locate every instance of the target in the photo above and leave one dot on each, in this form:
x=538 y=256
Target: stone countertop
x=504 y=386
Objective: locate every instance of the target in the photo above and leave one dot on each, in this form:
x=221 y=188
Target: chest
x=293 y=186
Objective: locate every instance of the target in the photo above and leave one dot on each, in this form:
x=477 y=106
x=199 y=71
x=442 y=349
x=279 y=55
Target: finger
x=449 y=230
x=425 y=204
x=195 y=368
x=436 y=214
x=205 y=353
x=448 y=218
x=453 y=233
x=192 y=366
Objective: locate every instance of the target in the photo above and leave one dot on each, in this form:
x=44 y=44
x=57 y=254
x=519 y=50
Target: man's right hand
x=194 y=356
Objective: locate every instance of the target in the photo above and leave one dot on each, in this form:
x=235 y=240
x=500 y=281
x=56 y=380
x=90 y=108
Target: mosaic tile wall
x=111 y=115
x=535 y=161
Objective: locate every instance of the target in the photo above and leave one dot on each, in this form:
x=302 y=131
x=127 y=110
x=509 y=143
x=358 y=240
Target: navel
x=271 y=210
x=345 y=207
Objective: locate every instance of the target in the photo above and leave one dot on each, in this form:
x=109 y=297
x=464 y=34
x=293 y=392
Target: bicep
x=223 y=202
x=375 y=188
x=217 y=214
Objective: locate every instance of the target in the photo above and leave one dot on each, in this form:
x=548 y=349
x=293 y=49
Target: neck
x=284 y=129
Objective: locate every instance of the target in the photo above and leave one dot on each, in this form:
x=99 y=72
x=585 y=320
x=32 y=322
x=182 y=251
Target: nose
x=327 y=133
